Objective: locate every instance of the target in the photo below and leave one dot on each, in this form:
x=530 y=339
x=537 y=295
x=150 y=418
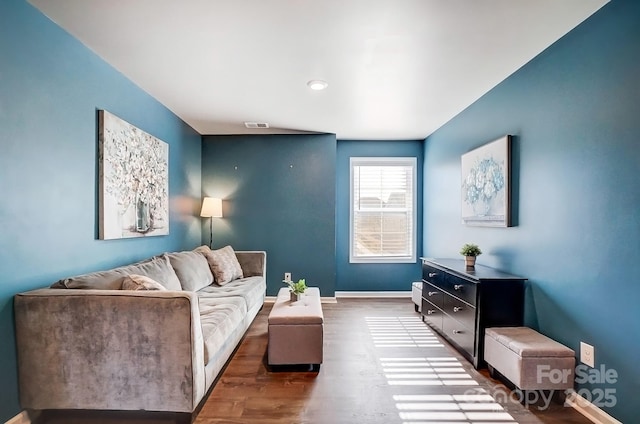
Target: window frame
x=384 y=161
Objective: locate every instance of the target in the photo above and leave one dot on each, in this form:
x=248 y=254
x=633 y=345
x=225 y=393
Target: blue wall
x=372 y=277
x=278 y=195
x=575 y=114
x=51 y=86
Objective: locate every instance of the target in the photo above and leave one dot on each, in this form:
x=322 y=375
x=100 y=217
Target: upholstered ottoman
x=296 y=329
x=529 y=359
x=416 y=295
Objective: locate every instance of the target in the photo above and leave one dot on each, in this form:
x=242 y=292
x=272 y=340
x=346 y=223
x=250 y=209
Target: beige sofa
x=87 y=343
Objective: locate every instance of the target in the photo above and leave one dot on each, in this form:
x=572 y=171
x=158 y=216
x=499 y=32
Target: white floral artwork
x=485 y=184
x=134 y=181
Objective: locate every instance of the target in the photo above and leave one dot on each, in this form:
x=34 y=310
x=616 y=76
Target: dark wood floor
x=381 y=365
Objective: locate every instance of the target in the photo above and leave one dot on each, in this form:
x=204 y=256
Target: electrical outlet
x=287 y=276
x=587 y=354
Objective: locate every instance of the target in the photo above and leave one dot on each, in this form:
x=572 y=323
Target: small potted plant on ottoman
x=296 y=288
x=470 y=251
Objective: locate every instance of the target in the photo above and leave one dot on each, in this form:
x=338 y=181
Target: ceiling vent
x=256 y=125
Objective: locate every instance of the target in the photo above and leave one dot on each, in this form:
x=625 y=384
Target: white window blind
x=383 y=210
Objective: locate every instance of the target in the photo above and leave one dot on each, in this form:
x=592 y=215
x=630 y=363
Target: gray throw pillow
x=159 y=269
x=192 y=270
x=100 y=280
x=223 y=263
x=141 y=282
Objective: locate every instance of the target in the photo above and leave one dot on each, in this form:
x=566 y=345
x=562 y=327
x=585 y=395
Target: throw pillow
x=159 y=269
x=192 y=270
x=140 y=282
x=223 y=263
x=101 y=280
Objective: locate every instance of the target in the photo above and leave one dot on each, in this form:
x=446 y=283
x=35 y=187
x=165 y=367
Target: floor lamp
x=211 y=208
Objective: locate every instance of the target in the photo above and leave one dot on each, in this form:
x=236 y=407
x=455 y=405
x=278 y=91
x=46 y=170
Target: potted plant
x=470 y=251
x=296 y=288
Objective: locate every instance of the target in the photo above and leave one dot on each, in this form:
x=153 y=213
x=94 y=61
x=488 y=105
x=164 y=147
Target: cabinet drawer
x=432 y=314
x=433 y=294
x=460 y=311
x=458 y=333
x=433 y=275
x=461 y=288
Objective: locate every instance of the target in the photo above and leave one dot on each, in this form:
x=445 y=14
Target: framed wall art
x=133 y=180
x=486 y=176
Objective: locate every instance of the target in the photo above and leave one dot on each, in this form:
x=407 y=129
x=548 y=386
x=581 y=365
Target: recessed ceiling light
x=317 y=85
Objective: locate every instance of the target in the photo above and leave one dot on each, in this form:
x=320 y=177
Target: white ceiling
x=397 y=69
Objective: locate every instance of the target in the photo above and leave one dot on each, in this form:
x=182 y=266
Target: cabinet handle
x=432 y=294
x=457 y=308
x=431 y=312
x=457 y=331
x=432 y=274
x=457 y=287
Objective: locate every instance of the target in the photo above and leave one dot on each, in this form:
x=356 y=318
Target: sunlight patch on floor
x=401 y=332
x=423 y=372
x=474 y=406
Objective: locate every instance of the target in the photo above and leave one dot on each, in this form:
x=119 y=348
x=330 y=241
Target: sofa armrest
x=253 y=263
x=109 y=349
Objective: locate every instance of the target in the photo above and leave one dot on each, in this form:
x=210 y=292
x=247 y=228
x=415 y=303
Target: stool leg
x=492 y=371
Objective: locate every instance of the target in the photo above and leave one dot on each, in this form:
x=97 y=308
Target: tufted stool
x=416 y=295
x=529 y=359
x=296 y=329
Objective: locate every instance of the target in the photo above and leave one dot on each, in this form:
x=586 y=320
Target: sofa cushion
x=252 y=262
x=250 y=289
x=223 y=263
x=157 y=268
x=141 y=282
x=219 y=318
x=192 y=270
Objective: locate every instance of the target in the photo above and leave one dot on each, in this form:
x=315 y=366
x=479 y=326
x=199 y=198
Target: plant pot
x=293 y=297
x=470 y=261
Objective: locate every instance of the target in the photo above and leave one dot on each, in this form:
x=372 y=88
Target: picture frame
x=133 y=181
x=486 y=184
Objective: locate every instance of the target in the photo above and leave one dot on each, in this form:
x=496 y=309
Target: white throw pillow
x=141 y=282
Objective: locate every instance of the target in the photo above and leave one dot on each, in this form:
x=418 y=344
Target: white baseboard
x=377 y=294
x=589 y=410
x=356 y=294
x=328 y=300
x=323 y=299
x=23 y=417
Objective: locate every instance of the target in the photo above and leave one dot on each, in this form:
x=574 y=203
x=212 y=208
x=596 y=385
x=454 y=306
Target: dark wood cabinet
x=459 y=302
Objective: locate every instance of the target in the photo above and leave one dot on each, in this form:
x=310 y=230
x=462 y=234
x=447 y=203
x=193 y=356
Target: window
x=383 y=210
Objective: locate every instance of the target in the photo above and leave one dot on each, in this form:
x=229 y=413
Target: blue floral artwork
x=485 y=184
x=134 y=181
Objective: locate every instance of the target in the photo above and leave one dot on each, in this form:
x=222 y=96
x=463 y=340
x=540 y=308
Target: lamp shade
x=211 y=207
